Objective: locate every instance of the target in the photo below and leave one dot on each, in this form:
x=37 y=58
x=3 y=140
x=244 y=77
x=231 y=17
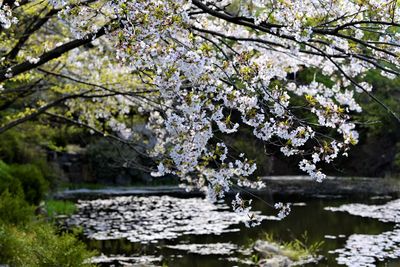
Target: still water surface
x=191 y=232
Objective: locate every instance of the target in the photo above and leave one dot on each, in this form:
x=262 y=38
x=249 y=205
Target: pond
x=191 y=232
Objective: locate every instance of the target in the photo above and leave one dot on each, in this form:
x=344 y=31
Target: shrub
x=14 y=146
x=39 y=246
x=28 y=143
x=23 y=179
x=31 y=242
x=7 y=181
x=14 y=209
x=32 y=181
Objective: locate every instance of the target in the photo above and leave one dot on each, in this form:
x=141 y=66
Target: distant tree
x=195 y=68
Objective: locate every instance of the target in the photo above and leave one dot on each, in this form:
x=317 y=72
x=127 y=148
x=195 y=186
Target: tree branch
x=40 y=111
x=55 y=53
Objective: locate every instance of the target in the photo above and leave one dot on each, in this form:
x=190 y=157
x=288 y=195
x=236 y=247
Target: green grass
x=59 y=207
x=297 y=249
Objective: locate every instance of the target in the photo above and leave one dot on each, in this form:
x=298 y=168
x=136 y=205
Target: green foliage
x=377 y=120
x=40 y=246
x=103 y=157
x=50 y=174
x=29 y=142
x=59 y=207
x=297 y=249
x=24 y=180
x=26 y=143
x=32 y=181
x=28 y=241
x=255 y=258
x=14 y=149
x=7 y=181
x=308 y=75
x=254 y=150
x=14 y=209
x=108 y=160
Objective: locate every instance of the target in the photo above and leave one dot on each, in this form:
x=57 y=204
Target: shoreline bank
x=276 y=186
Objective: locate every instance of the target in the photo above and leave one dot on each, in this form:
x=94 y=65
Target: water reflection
x=387 y=212
x=207 y=249
x=193 y=232
x=153 y=218
x=366 y=250
x=363 y=250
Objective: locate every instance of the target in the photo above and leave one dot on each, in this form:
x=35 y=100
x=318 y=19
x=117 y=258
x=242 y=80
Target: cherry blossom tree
x=198 y=70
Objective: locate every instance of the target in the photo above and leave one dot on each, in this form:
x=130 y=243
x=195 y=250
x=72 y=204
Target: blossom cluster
x=243 y=208
x=206 y=69
x=284 y=209
x=6 y=16
x=201 y=70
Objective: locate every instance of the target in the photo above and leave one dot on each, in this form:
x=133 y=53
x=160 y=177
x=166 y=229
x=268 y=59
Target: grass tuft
x=55 y=208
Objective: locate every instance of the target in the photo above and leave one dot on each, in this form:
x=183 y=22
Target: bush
x=14 y=146
x=14 y=209
x=29 y=143
x=28 y=241
x=39 y=246
x=23 y=179
x=7 y=181
x=33 y=183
